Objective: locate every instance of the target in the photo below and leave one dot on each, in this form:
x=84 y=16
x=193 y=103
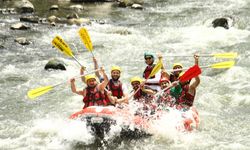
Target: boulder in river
x=25 y=6
x=55 y=64
x=54 y=7
x=137 y=6
x=19 y=26
x=22 y=41
x=126 y=3
x=31 y=19
x=225 y=22
x=76 y=7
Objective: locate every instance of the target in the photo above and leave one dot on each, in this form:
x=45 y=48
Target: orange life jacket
x=95 y=97
x=115 y=89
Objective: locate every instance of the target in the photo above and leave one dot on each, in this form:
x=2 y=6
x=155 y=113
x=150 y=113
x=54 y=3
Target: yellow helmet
x=177 y=64
x=90 y=76
x=115 y=68
x=136 y=79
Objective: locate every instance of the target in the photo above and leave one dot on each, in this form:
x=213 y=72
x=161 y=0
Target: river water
x=171 y=27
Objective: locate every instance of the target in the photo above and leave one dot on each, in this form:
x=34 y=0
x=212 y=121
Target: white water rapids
x=171 y=27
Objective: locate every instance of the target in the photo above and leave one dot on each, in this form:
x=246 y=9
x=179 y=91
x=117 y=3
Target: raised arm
x=196 y=59
x=104 y=83
x=195 y=84
x=96 y=67
x=73 y=87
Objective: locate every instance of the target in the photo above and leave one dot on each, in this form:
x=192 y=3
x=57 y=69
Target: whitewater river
x=169 y=26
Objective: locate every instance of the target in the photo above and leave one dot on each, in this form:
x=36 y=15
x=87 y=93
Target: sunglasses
x=148 y=58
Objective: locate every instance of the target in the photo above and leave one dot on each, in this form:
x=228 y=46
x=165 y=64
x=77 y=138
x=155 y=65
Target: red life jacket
x=115 y=89
x=95 y=97
x=147 y=72
x=139 y=95
x=186 y=98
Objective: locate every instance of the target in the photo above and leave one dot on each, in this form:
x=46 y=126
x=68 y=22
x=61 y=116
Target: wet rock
x=22 y=41
x=126 y=3
x=1 y=47
x=54 y=7
x=53 y=24
x=81 y=21
x=73 y=15
x=52 y=19
x=76 y=7
x=25 y=6
x=55 y=64
x=19 y=26
x=31 y=19
x=8 y=11
x=224 y=22
x=101 y=21
x=137 y=6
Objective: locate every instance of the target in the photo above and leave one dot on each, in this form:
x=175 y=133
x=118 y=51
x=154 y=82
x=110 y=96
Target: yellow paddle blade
x=86 y=39
x=225 y=55
x=39 y=91
x=156 y=68
x=62 y=46
x=226 y=64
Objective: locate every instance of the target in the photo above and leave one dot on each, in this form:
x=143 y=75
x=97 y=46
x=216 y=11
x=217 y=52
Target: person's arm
x=104 y=83
x=148 y=91
x=82 y=73
x=194 y=85
x=73 y=87
x=156 y=79
x=112 y=99
x=164 y=73
x=96 y=67
x=196 y=59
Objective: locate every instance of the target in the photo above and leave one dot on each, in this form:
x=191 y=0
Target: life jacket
x=172 y=78
x=95 y=97
x=139 y=95
x=147 y=72
x=186 y=98
x=115 y=89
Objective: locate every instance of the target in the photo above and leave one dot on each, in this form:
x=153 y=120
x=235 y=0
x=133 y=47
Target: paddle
x=84 y=35
x=63 y=47
x=32 y=94
x=216 y=55
x=220 y=65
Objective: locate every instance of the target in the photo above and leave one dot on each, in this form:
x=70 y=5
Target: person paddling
x=143 y=95
x=174 y=75
x=186 y=99
x=152 y=82
x=93 y=94
x=115 y=86
x=166 y=98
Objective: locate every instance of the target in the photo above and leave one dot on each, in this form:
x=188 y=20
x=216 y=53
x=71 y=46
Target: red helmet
x=164 y=79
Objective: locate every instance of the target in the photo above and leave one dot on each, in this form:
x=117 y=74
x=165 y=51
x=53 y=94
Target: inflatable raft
x=100 y=119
